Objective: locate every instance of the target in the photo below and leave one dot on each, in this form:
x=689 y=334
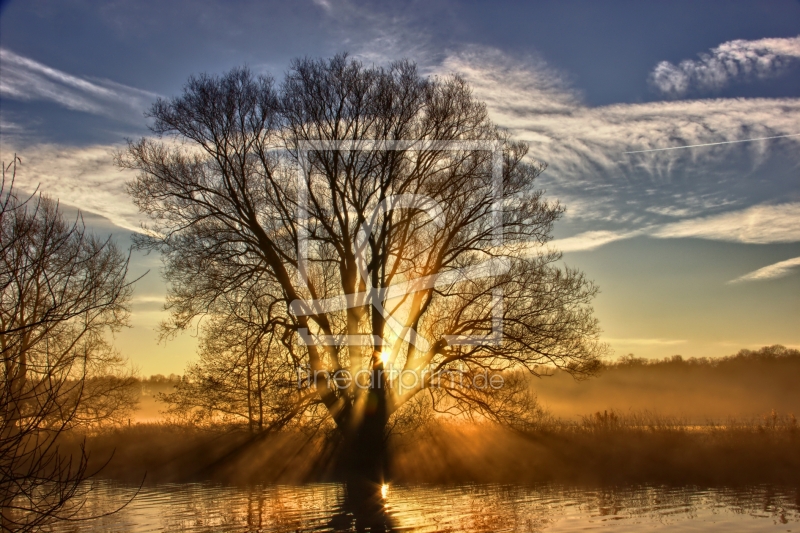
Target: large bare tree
x=385 y=226
x=62 y=291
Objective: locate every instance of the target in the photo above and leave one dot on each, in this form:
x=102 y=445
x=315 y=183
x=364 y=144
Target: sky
x=671 y=131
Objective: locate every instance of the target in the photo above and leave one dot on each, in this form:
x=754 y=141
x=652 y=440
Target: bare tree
x=62 y=290
x=244 y=375
x=342 y=195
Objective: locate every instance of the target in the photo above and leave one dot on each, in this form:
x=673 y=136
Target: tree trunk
x=365 y=457
x=250 y=419
x=365 y=448
x=260 y=388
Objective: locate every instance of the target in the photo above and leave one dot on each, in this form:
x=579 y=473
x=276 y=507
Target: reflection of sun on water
x=207 y=508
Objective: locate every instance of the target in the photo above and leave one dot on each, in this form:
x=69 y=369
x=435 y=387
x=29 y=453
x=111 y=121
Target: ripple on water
x=206 y=507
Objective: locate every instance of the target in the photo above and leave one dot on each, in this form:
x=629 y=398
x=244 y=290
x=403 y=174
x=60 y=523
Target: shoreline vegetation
x=603 y=448
x=691 y=443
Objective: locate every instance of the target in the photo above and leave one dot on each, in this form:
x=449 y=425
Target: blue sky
x=696 y=250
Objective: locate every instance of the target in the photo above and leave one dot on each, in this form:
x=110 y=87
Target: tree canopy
x=359 y=218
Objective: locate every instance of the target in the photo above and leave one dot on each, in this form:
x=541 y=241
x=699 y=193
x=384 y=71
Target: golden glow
x=384 y=490
x=385 y=357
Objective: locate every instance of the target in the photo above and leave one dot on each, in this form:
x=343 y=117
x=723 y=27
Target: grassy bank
x=167 y=453
x=609 y=448
x=601 y=448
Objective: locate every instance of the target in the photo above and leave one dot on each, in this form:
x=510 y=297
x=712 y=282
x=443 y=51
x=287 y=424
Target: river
x=206 y=507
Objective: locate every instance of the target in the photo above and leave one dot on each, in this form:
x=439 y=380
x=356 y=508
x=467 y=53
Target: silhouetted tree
x=62 y=291
x=354 y=167
x=243 y=375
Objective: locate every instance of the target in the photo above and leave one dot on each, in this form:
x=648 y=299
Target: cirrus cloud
x=739 y=59
x=26 y=79
x=82 y=177
x=589 y=240
x=775 y=270
x=587 y=148
x=759 y=224
x=584 y=147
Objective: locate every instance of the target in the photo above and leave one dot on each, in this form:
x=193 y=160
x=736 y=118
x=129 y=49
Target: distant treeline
x=161 y=379
x=766 y=355
x=749 y=384
x=775 y=354
x=745 y=385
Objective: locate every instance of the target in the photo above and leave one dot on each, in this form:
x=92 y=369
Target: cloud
x=759 y=224
x=590 y=240
x=26 y=79
x=739 y=59
x=148 y=299
x=775 y=270
x=584 y=146
x=377 y=36
x=81 y=177
x=646 y=342
x=537 y=104
x=621 y=195
x=713 y=144
x=325 y=4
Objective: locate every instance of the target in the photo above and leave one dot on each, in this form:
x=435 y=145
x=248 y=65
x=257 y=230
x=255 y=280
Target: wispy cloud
x=590 y=240
x=82 y=177
x=324 y=4
x=775 y=270
x=739 y=59
x=536 y=104
x=148 y=299
x=635 y=194
x=378 y=36
x=645 y=342
x=7 y=126
x=683 y=212
x=26 y=79
x=713 y=144
x=759 y=224
x=584 y=146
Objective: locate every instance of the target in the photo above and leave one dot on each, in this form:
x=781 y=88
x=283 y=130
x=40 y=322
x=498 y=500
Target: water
x=205 y=507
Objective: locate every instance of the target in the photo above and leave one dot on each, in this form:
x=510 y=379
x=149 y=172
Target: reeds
x=610 y=447
x=602 y=447
x=172 y=453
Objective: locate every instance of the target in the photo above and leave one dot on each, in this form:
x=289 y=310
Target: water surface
x=205 y=507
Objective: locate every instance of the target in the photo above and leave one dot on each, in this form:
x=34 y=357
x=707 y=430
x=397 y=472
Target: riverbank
x=602 y=448
x=609 y=448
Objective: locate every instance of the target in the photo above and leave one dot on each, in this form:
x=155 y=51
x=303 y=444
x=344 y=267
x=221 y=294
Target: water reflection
x=475 y=508
x=364 y=508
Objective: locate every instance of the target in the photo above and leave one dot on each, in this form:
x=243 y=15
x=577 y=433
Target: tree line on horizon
x=214 y=389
